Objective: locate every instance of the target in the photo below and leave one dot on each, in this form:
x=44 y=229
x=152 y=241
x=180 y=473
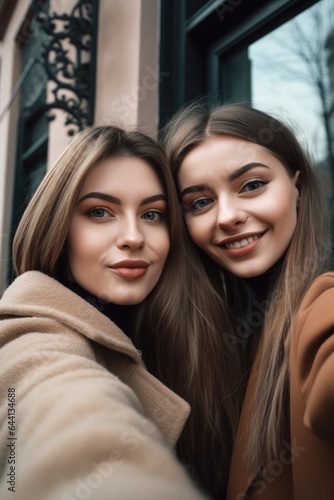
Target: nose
x=230 y=213
x=130 y=236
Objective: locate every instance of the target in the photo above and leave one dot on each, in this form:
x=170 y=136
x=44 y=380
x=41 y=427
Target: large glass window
x=292 y=73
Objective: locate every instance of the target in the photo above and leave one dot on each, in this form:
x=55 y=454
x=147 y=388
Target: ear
x=296 y=182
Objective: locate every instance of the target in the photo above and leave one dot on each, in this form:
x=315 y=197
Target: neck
x=263 y=284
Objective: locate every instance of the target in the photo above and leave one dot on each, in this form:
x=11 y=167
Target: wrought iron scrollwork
x=68 y=57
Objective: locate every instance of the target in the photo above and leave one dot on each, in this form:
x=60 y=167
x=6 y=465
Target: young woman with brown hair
x=253 y=209
x=98 y=250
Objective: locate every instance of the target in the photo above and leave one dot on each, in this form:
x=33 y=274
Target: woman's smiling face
x=240 y=204
x=118 y=240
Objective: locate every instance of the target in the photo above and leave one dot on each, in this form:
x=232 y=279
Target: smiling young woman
x=101 y=272
x=241 y=213
x=252 y=207
x=118 y=239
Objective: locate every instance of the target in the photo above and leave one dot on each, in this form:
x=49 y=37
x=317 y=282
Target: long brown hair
x=173 y=331
x=305 y=259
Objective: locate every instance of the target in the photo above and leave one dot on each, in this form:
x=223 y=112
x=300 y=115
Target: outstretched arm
x=78 y=431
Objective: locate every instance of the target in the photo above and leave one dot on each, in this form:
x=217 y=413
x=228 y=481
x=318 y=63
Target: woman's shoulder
x=312 y=358
x=315 y=316
x=30 y=282
x=36 y=302
x=321 y=285
x=34 y=292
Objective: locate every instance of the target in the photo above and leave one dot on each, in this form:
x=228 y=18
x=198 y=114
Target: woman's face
x=118 y=239
x=240 y=204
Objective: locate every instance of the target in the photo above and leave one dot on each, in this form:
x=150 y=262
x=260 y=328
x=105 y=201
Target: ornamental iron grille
x=68 y=56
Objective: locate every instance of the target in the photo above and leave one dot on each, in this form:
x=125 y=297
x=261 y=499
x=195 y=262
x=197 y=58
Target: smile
x=242 y=243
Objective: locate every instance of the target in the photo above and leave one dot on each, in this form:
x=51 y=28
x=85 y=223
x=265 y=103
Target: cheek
x=288 y=212
x=284 y=221
x=198 y=230
x=158 y=241
x=81 y=243
x=275 y=208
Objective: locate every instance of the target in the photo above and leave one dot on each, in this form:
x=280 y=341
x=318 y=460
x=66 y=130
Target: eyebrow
x=242 y=170
x=231 y=177
x=117 y=201
x=194 y=189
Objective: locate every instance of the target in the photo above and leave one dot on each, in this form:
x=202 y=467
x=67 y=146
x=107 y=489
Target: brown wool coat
x=90 y=421
x=309 y=473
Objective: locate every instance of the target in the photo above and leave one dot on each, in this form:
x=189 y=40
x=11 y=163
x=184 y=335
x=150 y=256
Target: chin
x=127 y=300
x=252 y=273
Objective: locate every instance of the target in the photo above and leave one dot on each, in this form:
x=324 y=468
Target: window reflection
x=292 y=74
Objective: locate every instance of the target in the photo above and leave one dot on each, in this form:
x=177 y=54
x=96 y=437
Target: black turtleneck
x=260 y=288
x=263 y=284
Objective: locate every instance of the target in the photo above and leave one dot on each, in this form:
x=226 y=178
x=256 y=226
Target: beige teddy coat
x=80 y=416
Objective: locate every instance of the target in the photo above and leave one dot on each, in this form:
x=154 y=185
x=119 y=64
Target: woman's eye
x=98 y=213
x=254 y=185
x=153 y=216
x=201 y=203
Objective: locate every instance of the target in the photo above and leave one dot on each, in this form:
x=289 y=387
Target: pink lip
x=130 y=269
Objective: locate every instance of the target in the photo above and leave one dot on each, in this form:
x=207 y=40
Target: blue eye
x=200 y=203
x=153 y=216
x=98 y=213
x=254 y=185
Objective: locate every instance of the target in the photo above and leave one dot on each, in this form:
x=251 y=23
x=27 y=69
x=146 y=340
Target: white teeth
x=242 y=243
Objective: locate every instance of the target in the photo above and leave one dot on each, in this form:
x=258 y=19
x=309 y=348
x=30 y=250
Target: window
x=32 y=125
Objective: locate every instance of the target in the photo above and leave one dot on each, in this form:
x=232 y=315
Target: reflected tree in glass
x=312 y=43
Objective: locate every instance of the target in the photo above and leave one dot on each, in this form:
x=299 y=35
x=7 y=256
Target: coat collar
x=34 y=294
x=40 y=295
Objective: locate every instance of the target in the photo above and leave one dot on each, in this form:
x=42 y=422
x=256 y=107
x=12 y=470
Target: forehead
x=221 y=156
x=122 y=173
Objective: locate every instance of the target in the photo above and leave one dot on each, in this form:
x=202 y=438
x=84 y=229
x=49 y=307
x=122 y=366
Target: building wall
x=127 y=81
x=127 y=64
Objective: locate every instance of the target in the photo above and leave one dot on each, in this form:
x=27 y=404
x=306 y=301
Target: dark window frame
x=191 y=48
